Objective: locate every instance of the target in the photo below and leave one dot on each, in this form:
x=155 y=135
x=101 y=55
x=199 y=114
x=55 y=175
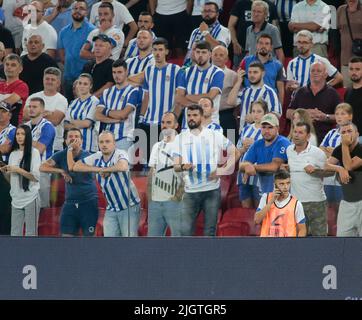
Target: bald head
x=219 y=56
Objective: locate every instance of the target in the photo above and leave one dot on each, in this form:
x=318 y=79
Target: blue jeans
x=115 y=223
x=193 y=203
x=162 y=214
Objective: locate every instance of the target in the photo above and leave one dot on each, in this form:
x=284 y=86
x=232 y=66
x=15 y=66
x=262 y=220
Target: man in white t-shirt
x=121 y=17
x=42 y=28
x=165 y=186
x=197 y=154
x=55 y=104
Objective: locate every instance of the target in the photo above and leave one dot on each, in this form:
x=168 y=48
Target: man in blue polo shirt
x=266 y=155
x=274 y=75
x=80 y=209
x=70 y=41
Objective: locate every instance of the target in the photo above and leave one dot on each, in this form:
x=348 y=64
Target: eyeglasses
x=208 y=11
x=79 y=9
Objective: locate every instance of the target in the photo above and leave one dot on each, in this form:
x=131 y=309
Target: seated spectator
x=318 y=98
x=259 y=14
x=353 y=9
x=34 y=64
x=42 y=28
x=302 y=115
x=274 y=75
x=304 y=17
x=249 y=191
x=60 y=15
x=298 y=70
x=280 y=204
x=23 y=174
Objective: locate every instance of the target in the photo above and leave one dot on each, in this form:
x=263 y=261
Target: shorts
x=248 y=191
x=82 y=215
x=334 y=193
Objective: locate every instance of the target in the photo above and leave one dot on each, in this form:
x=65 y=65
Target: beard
x=78 y=19
x=263 y=52
x=209 y=21
x=356 y=79
x=168 y=132
x=193 y=125
x=256 y=82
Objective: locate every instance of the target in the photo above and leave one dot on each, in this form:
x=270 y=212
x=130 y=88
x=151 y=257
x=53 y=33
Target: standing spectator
x=70 y=41
x=298 y=70
x=219 y=57
x=208 y=109
x=34 y=64
x=7 y=39
x=23 y=174
x=80 y=209
x=158 y=91
x=55 y=104
x=60 y=15
x=307 y=187
x=101 y=67
x=346 y=160
x=209 y=30
x=169 y=16
x=280 y=205
x=318 y=98
x=266 y=155
x=7 y=136
x=353 y=95
x=13 y=90
x=257 y=90
x=197 y=9
x=314 y=16
x=145 y=22
x=107 y=27
x=81 y=113
x=43 y=133
x=259 y=15
x=239 y=21
x=165 y=186
x=353 y=9
x=135 y=7
x=197 y=156
x=274 y=75
x=117 y=107
x=42 y=28
x=111 y=165
x=209 y=77
x=302 y=115
x=121 y=17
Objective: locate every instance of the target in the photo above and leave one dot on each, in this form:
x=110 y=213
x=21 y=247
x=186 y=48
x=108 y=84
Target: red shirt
x=21 y=89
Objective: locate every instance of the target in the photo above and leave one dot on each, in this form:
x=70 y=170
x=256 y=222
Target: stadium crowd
x=214 y=109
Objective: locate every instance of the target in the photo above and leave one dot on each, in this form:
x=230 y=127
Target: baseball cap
x=105 y=38
x=6 y=106
x=271 y=119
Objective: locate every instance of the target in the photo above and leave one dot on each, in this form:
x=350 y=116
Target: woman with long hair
x=301 y=115
x=23 y=174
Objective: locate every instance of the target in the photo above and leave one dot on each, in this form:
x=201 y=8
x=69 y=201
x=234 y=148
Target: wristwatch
x=328 y=117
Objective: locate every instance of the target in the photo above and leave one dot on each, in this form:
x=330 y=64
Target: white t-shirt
x=199 y=5
x=299 y=212
x=116 y=34
x=121 y=14
x=11 y=22
x=47 y=33
x=21 y=198
x=303 y=185
x=52 y=103
x=165 y=181
x=168 y=7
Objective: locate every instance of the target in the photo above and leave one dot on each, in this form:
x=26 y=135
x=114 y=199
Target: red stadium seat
x=57 y=191
x=332 y=220
x=286 y=61
x=178 y=61
x=200 y=221
x=341 y=91
x=49 y=222
x=102 y=202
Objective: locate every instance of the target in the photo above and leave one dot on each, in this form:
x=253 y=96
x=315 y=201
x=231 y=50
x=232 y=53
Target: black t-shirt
x=352 y=191
x=33 y=71
x=354 y=98
x=242 y=10
x=6 y=38
x=101 y=73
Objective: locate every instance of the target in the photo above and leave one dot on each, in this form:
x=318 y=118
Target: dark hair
x=74 y=129
x=107 y=5
x=174 y=115
x=262 y=103
x=159 y=41
x=266 y=36
x=211 y=101
x=257 y=64
x=146 y=13
x=211 y=3
x=25 y=162
x=84 y=1
x=119 y=63
x=281 y=175
x=355 y=59
x=88 y=76
x=40 y=100
x=203 y=45
x=196 y=107
x=13 y=56
x=304 y=124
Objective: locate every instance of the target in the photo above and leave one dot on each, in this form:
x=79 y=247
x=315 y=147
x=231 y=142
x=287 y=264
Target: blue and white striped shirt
x=299 y=68
x=85 y=110
x=215 y=127
x=132 y=49
x=8 y=133
x=284 y=9
x=247 y=95
x=118 y=188
x=200 y=81
x=118 y=99
x=161 y=86
x=136 y=64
